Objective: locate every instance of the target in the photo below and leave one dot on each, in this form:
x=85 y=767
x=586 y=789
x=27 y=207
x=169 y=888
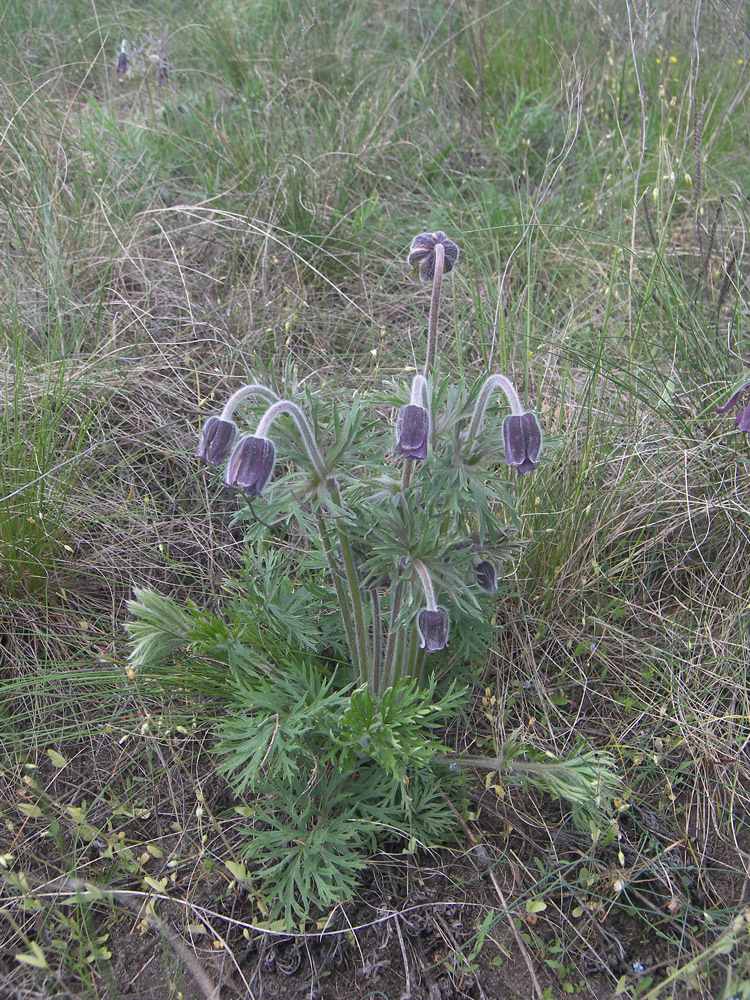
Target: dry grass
x=163 y=244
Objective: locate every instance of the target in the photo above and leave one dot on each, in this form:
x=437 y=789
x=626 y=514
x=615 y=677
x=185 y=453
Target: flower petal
x=486 y=577
x=413 y=431
x=251 y=465
x=422 y=254
x=733 y=398
x=532 y=433
x=743 y=420
x=433 y=628
x=513 y=436
x=217 y=438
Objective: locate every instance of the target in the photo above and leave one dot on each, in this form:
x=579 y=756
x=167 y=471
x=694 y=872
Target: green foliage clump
x=334 y=773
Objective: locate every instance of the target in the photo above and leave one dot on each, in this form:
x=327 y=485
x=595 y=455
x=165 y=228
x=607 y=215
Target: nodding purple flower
x=422 y=254
x=163 y=72
x=413 y=431
x=251 y=465
x=217 y=438
x=433 y=628
x=741 y=396
x=486 y=576
x=122 y=63
x=523 y=441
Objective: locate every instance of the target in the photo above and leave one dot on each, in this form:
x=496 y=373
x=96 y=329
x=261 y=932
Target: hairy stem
x=344 y=604
x=391 y=642
x=358 y=648
x=432 y=331
x=240 y=394
x=360 y=652
x=426 y=581
x=308 y=438
x=377 y=633
x=492 y=383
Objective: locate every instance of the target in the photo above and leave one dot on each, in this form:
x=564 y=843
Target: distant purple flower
x=413 y=431
x=486 y=575
x=433 y=628
x=742 y=420
x=523 y=441
x=251 y=465
x=422 y=254
x=163 y=72
x=217 y=438
x=122 y=63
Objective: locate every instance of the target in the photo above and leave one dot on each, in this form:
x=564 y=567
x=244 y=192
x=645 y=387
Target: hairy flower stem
x=402 y=652
x=432 y=330
x=493 y=382
x=391 y=650
x=426 y=581
x=415 y=655
x=308 y=438
x=377 y=631
x=358 y=648
x=419 y=391
x=240 y=394
x=406 y=474
x=344 y=604
x=360 y=652
x=396 y=671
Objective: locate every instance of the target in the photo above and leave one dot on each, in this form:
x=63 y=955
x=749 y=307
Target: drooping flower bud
x=523 y=441
x=433 y=628
x=422 y=254
x=217 y=438
x=122 y=58
x=251 y=465
x=486 y=576
x=742 y=420
x=413 y=431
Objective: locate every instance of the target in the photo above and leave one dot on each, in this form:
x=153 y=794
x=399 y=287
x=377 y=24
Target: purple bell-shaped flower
x=413 y=431
x=523 y=441
x=251 y=465
x=217 y=438
x=433 y=628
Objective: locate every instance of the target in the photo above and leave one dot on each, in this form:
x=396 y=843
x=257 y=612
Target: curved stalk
x=493 y=382
x=308 y=438
x=419 y=392
x=426 y=580
x=418 y=398
x=240 y=394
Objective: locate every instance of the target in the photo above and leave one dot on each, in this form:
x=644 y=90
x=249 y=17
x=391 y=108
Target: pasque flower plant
x=406 y=548
x=376 y=532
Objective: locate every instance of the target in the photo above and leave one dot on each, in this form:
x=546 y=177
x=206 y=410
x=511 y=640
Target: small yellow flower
x=673 y=59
